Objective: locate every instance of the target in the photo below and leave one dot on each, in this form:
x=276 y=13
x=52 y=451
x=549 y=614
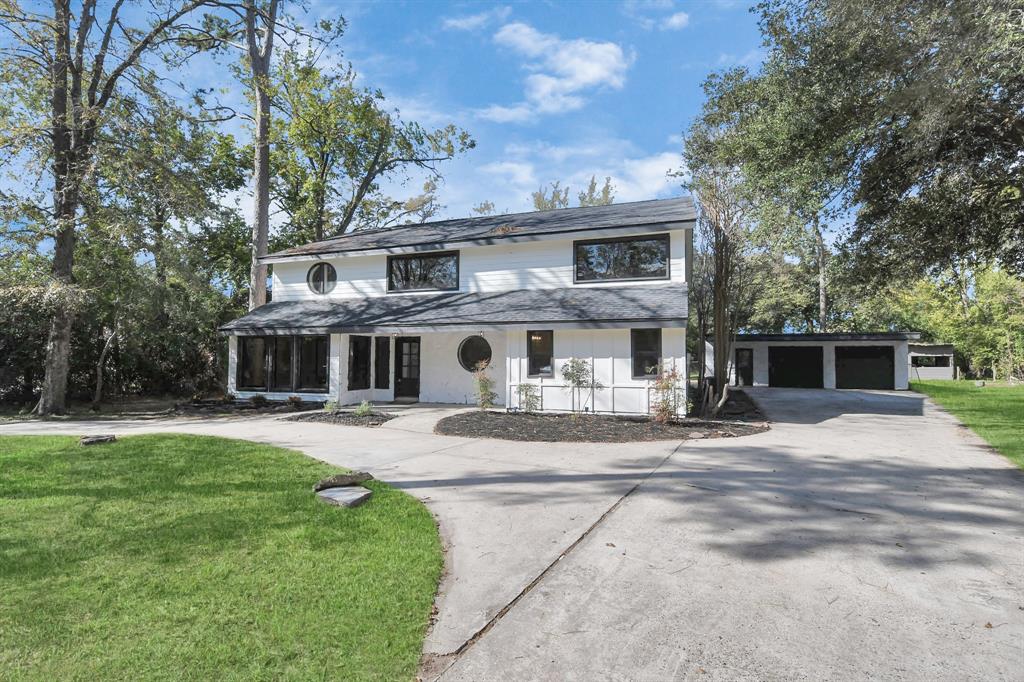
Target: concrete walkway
x=866 y=535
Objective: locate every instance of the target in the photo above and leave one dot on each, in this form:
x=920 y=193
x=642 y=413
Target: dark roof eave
x=833 y=336
x=617 y=323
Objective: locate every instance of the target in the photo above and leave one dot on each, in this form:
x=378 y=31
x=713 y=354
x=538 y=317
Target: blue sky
x=550 y=91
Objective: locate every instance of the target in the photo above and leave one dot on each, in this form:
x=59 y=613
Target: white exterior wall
x=609 y=352
x=760 y=349
x=499 y=267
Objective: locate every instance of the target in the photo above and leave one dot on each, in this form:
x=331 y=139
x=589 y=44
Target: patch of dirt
x=199 y=408
x=343 y=418
x=586 y=428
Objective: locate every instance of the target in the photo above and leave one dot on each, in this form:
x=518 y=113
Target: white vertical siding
x=608 y=351
x=500 y=267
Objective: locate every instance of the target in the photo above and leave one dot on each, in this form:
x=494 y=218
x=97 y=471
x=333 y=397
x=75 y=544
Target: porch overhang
x=634 y=306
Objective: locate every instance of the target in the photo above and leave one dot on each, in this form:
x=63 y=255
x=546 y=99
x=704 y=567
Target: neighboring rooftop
x=488 y=229
x=592 y=307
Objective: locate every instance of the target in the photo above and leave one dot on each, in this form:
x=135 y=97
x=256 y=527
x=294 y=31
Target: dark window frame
x=270 y=344
x=382 y=362
x=663 y=237
x=426 y=254
x=633 y=349
x=333 y=280
x=462 y=344
x=529 y=353
x=352 y=364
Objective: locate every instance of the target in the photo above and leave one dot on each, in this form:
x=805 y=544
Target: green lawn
x=182 y=557
x=994 y=412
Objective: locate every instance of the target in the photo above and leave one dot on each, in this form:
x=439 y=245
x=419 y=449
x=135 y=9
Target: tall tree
x=920 y=144
x=339 y=143
x=84 y=63
x=549 y=198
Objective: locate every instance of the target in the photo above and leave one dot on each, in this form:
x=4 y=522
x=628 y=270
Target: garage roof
x=839 y=336
x=662 y=305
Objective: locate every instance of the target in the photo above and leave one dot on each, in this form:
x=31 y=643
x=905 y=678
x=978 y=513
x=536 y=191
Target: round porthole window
x=321 y=278
x=474 y=351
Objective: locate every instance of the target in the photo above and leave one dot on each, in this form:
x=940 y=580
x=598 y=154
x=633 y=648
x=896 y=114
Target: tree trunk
x=261 y=179
x=98 y=395
x=259 y=59
x=822 y=290
x=157 y=225
x=53 y=397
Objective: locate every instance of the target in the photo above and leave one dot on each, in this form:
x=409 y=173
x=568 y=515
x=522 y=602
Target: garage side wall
x=760 y=348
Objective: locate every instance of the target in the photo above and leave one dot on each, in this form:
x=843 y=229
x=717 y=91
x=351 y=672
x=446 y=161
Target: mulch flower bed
x=343 y=418
x=740 y=416
x=586 y=428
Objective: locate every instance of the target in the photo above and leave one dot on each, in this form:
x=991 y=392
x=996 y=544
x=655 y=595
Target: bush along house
x=408 y=313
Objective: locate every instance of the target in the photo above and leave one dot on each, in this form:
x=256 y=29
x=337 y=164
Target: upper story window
x=321 y=278
x=621 y=258
x=427 y=272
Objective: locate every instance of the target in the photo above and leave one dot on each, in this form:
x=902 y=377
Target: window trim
x=660 y=236
x=529 y=355
x=632 y=351
x=423 y=254
x=297 y=363
x=462 y=344
x=309 y=278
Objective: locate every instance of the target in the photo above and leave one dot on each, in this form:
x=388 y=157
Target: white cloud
x=563 y=72
x=752 y=58
x=475 y=22
x=676 y=21
x=500 y=114
x=516 y=172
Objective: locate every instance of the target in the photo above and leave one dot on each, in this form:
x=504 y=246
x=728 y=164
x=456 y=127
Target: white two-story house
x=408 y=313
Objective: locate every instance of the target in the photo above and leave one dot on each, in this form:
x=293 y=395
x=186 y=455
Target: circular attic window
x=321 y=278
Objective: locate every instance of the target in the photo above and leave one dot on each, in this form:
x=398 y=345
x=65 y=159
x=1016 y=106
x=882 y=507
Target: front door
x=744 y=367
x=407 y=367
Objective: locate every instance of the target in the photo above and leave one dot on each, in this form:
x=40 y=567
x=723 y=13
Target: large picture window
x=622 y=258
x=358 y=362
x=282 y=363
x=645 y=345
x=540 y=347
x=429 y=272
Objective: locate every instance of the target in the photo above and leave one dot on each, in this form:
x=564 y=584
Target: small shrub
x=228 y=398
x=529 y=397
x=259 y=400
x=579 y=375
x=365 y=409
x=668 y=391
x=484 y=385
x=295 y=402
x=331 y=406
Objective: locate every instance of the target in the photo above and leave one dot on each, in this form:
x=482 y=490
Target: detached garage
x=866 y=361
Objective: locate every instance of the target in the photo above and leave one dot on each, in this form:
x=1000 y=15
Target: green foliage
x=337 y=144
x=669 y=394
x=907 y=117
x=206 y=541
x=331 y=406
x=593 y=196
x=549 y=198
x=483 y=384
x=578 y=375
x=365 y=409
x=558 y=197
x=529 y=397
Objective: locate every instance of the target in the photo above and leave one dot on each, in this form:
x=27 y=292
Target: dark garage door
x=795 y=366
x=865 y=367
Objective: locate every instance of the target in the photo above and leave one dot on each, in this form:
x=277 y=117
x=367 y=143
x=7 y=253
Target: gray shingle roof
x=833 y=336
x=497 y=227
x=579 y=306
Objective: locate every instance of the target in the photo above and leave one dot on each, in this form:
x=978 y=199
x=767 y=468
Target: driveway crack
x=453 y=658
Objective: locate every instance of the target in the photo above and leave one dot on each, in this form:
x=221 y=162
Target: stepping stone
x=696 y=434
x=342 y=480
x=345 y=497
x=96 y=440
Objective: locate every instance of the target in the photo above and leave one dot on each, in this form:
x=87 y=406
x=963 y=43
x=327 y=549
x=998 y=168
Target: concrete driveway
x=867 y=535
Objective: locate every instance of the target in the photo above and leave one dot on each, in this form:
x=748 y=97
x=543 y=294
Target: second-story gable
x=616 y=245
